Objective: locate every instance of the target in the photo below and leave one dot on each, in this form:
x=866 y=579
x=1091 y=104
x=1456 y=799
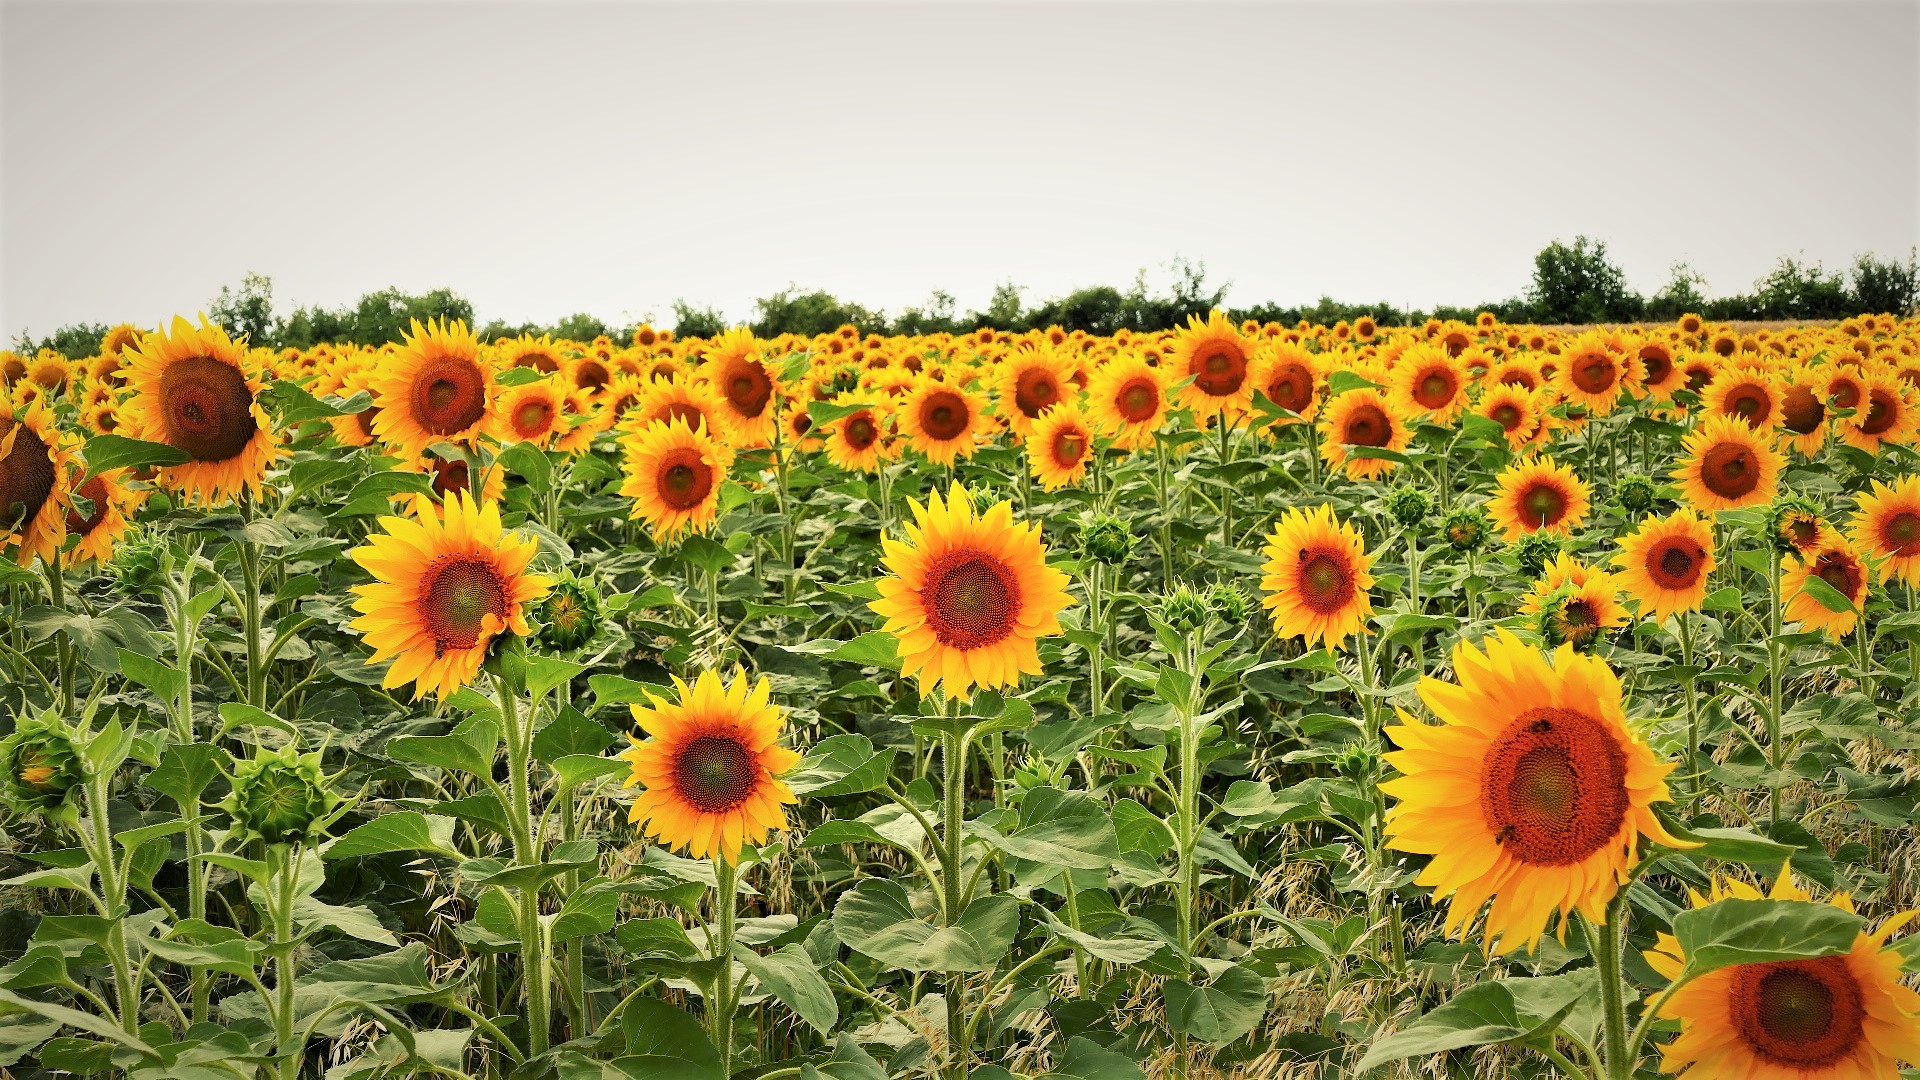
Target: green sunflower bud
x=1534 y=551
x=1107 y=539
x=571 y=614
x=1636 y=494
x=41 y=765
x=1229 y=604
x=1358 y=763
x=1184 y=609
x=1466 y=528
x=139 y=563
x=1794 y=525
x=281 y=797
x=1409 y=505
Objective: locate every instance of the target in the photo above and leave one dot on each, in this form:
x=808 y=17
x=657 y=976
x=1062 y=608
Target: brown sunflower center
x=1435 y=389
x=1367 y=426
x=1219 y=370
x=1750 y=403
x=449 y=395
x=1553 y=787
x=1035 y=390
x=715 y=773
x=532 y=418
x=944 y=415
x=1882 y=410
x=748 y=387
x=364 y=418
x=971 y=599
x=591 y=374
x=26 y=477
x=1137 y=400
x=1803 y=530
x=462 y=590
x=538 y=361
x=1800 y=411
x=1901 y=534
x=1518 y=377
x=1845 y=394
x=1676 y=563
x=1730 y=470
x=1507 y=415
x=206 y=408
x=1069 y=446
x=861 y=431
x=1291 y=387
x=1326 y=582
x=1840 y=572
x=95 y=492
x=1698 y=376
x=1542 y=504
x=1593 y=373
x=1798 y=1014
x=449 y=477
x=1657 y=365
x=685 y=480
x=683 y=412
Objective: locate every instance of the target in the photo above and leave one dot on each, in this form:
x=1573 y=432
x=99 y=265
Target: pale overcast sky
x=543 y=159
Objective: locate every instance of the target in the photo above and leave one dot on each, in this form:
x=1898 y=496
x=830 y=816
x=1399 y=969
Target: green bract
x=281 y=797
x=41 y=764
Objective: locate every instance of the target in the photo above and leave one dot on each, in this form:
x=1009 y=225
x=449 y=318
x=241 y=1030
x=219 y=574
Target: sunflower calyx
x=282 y=797
x=1534 y=551
x=1465 y=528
x=1409 y=505
x=1636 y=494
x=41 y=764
x=571 y=615
x=1107 y=539
x=1184 y=609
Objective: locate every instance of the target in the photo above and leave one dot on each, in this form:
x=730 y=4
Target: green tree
x=935 y=318
x=1797 y=290
x=246 y=311
x=1682 y=293
x=73 y=342
x=1885 y=285
x=791 y=311
x=1580 y=284
x=580 y=326
x=690 y=321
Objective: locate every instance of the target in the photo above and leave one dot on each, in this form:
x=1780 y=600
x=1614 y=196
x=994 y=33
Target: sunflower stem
x=1776 y=748
x=57 y=597
x=533 y=960
x=1695 y=774
x=953 y=875
x=1606 y=942
x=720 y=936
x=287 y=858
x=112 y=899
x=1226 y=498
x=250 y=620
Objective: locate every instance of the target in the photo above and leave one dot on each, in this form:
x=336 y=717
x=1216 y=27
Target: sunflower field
x=1242 y=700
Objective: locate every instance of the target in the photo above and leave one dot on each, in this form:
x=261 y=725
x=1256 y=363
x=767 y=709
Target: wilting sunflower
x=1532 y=791
x=437 y=387
x=711 y=767
x=673 y=476
x=445 y=584
x=1665 y=564
x=1838 y=564
x=968 y=595
x=1029 y=381
x=1728 y=465
x=746 y=385
x=37 y=472
x=858 y=442
x=1886 y=524
x=1428 y=381
x=942 y=420
x=1127 y=397
x=1886 y=416
x=1574 y=604
x=1361 y=417
x=1803 y=415
x=1842 y=1017
x=1316 y=577
x=1289 y=376
x=1591 y=374
x=108 y=500
x=1748 y=395
x=1536 y=496
x=1218 y=360
x=196 y=390
x=1060 y=446
x=532 y=412
x=1516 y=409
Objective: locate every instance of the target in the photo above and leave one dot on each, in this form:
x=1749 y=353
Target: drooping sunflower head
x=1361 y=418
x=1727 y=466
x=195 y=389
x=1839 y=566
x=1537 y=495
x=710 y=767
x=969 y=595
x=1317 y=577
x=1060 y=446
x=1665 y=564
x=673 y=476
x=1533 y=791
x=445 y=584
x=1218 y=359
x=1886 y=525
x=1574 y=604
x=437 y=387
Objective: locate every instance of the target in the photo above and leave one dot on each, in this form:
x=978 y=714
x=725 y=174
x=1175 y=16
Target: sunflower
x=538 y=353
x=1699 y=370
x=196 y=390
x=968 y=595
x=1728 y=465
x=858 y=442
x=108 y=502
x=1846 y=388
x=1030 y=381
x=450 y=477
x=532 y=412
x=1660 y=372
x=1532 y=790
x=1060 y=446
x=119 y=339
x=1574 y=604
x=1886 y=524
x=1803 y=415
x=1830 y=1018
x=1217 y=360
x=1591 y=374
x=1838 y=563
x=1665 y=564
x=37 y=466
x=1797 y=527
x=444 y=585
x=1127 y=397
x=1289 y=376
x=1316 y=577
x=1887 y=416
x=1748 y=395
x=1520 y=371
x=673 y=476
x=1536 y=496
x=746 y=385
x=711 y=767
x=50 y=371
x=590 y=372
x=942 y=420
x=1428 y=381
x=437 y=387
x=1361 y=417
x=1516 y=409
x=695 y=404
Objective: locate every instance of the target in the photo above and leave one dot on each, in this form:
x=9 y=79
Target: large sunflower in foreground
x=437 y=387
x=1838 y=563
x=1532 y=791
x=1218 y=360
x=1887 y=525
x=196 y=389
x=711 y=767
x=1127 y=397
x=1842 y=1017
x=1356 y=418
x=1060 y=446
x=1665 y=564
x=445 y=584
x=968 y=595
x=1316 y=577
x=37 y=466
x=1728 y=465
x=1538 y=495
x=942 y=421
x=673 y=476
